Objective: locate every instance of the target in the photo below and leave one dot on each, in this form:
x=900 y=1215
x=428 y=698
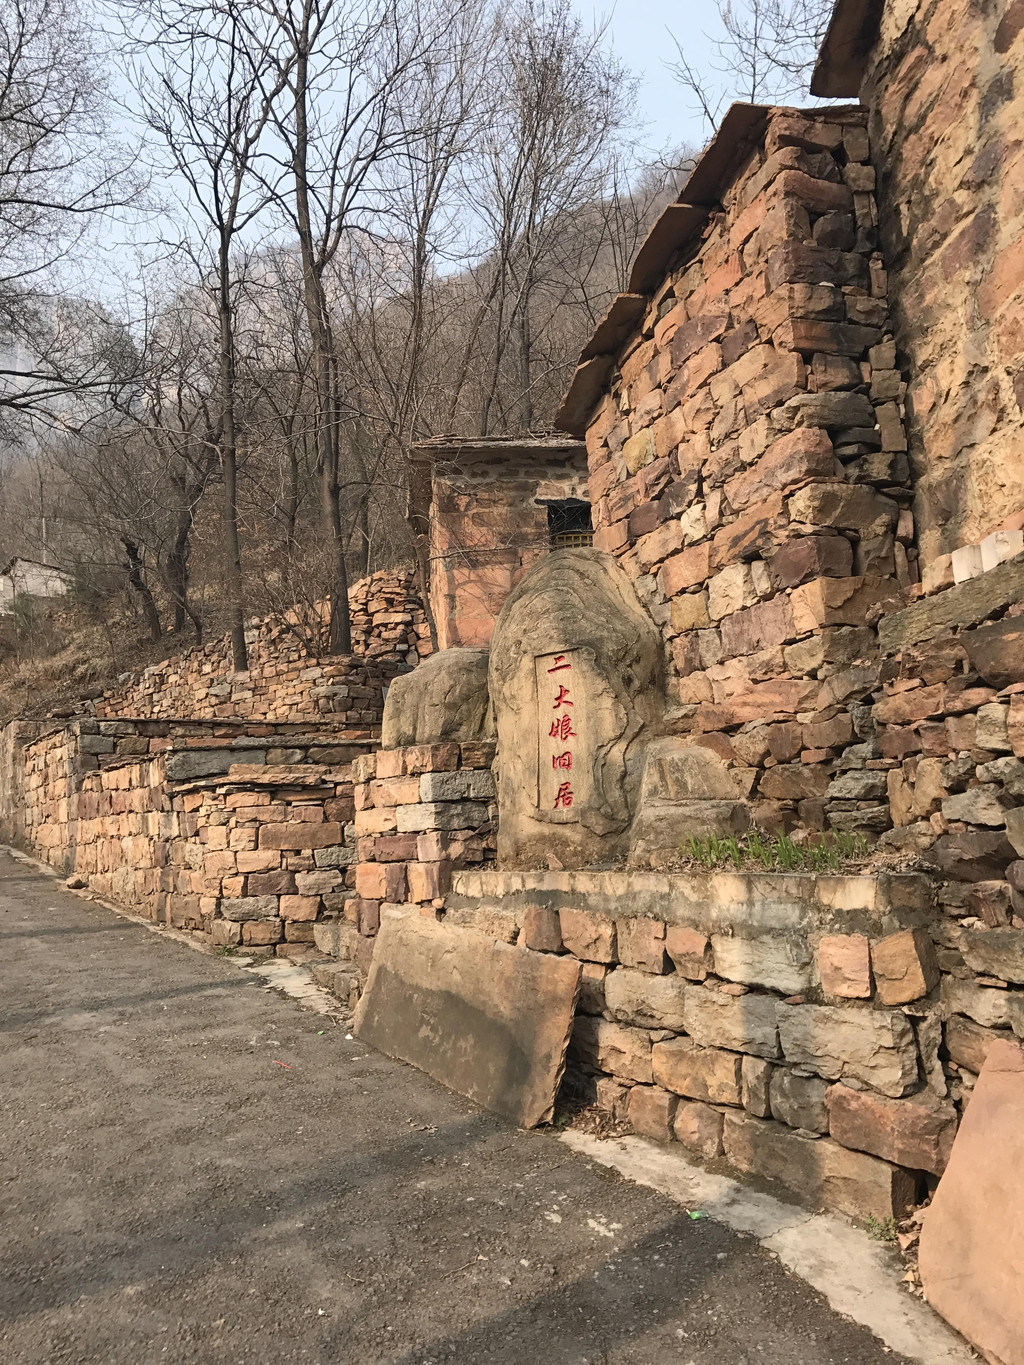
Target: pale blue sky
x=639 y=30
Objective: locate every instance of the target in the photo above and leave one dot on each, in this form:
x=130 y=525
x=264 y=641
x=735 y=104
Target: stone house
x=28 y=578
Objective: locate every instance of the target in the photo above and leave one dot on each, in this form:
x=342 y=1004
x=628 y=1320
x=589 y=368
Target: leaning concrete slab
x=972 y=1252
x=485 y=1019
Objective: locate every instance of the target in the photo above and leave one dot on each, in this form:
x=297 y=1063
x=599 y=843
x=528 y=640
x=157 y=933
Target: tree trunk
x=317 y=314
x=229 y=469
x=138 y=582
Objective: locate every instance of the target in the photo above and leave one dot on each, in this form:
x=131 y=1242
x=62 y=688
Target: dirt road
x=194 y=1169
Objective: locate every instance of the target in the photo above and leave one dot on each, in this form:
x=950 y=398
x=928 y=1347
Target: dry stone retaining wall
x=793 y=1025
x=285 y=681
x=748 y=467
x=945 y=117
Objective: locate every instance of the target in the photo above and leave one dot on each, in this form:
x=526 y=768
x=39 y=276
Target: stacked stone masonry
x=805 y=1029
x=945 y=113
x=422 y=811
x=285 y=681
x=241 y=831
x=748 y=467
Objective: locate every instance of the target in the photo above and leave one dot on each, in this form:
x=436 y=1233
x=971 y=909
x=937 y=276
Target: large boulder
x=686 y=791
x=445 y=698
x=575 y=681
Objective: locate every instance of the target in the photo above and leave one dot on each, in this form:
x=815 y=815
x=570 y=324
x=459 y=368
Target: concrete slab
x=487 y=1020
x=858 y=1277
x=972 y=1240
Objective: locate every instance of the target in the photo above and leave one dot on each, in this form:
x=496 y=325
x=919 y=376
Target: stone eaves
x=842 y=61
x=678 y=228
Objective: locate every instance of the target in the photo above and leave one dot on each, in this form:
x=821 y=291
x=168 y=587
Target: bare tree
x=60 y=171
x=207 y=89
x=764 y=54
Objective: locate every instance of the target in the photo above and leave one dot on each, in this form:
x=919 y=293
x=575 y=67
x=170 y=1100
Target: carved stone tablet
x=489 y=1021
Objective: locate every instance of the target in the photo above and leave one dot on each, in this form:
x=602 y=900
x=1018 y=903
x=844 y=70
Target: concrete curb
x=856 y=1276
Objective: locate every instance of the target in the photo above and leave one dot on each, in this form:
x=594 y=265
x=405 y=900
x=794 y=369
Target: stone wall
x=240 y=830
x=950 y=729
x=285 y=681
x=489 y=523
x=748 y=465
x=946 y=108
x=421 y=811
x=805 y=1028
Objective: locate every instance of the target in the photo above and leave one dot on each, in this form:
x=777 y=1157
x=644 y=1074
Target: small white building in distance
x=28 y=578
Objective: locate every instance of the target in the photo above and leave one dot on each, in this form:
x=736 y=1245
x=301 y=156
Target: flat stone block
x=842 y=1041
x=635 y=997
x=780 y=962
x=651 y=1111
x=905 y=966
x=485 y=1019
x=443 y=815
x=743 y=1023
x=249 y=908
x=916 y=1132
x=699 y=1127
x=819 y=1171
x=699 y=1073
x=590 y=937
x=972 y=1253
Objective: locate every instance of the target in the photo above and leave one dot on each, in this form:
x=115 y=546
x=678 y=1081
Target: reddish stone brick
x=652 y=549
x=390 y=763
x=588 y=936
x=690 y=950
x=651 y=1111
x=542 y=929
x=916 y=1132
x=845 y=965
x=279 y=883
x=395 y=791
x=429 y=880
x=755 y=531
x=300 y=907
x=699 y=1127
x=371 y=880
x=685 y=570
x=905 y=966
x=642 y=944
x=811 y=557
x=700 y=1073
x=395 y=882
x=431 y=758
x=260 y=932
x=802 y=454
x=367 y=916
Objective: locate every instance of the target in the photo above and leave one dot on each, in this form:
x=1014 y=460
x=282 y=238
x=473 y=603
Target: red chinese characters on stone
x=562 y=729
x=561 y=732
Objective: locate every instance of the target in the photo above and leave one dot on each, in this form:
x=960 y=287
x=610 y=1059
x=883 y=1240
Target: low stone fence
x=285 y=680
x=263 y=857
x=241 y=830
x=421 y=812
x=811 y=1030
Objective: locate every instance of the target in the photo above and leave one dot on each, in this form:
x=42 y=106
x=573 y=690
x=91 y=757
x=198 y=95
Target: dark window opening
x=569 y=524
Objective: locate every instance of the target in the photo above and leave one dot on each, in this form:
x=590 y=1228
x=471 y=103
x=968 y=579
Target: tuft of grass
x=776 y=853
x=881 y=1230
